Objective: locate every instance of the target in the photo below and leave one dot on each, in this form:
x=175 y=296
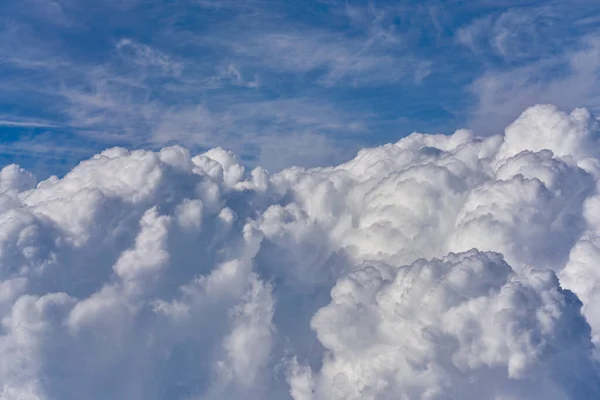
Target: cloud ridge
x=437 y=267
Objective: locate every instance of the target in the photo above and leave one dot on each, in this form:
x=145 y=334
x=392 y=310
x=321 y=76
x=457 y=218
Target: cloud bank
x=438 y=267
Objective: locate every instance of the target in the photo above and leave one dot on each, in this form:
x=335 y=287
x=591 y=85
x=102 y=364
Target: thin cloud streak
x=26 y=123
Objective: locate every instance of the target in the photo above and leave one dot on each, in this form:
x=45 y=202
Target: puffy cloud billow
x=438 y=267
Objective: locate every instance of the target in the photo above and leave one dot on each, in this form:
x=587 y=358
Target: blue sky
x=279 y=82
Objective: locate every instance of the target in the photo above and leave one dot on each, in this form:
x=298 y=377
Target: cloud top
x=437 y=267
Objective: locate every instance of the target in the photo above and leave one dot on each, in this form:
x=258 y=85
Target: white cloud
x=425 y=269
x=465 y=326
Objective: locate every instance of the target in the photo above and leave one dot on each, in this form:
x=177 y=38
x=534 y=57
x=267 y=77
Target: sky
x=299 y=200
x=280 y=83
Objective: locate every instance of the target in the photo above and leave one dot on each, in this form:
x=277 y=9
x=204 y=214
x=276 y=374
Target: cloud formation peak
x=438 y=267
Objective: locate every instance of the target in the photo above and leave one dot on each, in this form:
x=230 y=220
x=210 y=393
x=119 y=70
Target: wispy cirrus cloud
x=10 y=121
x=594 y=19
x=529 y=59
x=333 y=59
x=145 y=96
x=248 y=75
x=568 y=80
x=512 y=35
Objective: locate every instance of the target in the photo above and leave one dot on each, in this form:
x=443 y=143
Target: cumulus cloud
x=437 y=267
x=464 y=326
